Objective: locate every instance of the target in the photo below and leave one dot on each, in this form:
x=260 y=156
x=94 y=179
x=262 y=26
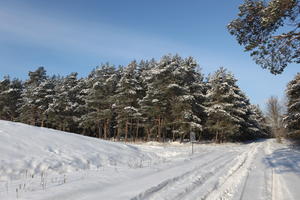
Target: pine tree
x=66 y=102
x=82 y=109
x=292 y=119
x=185 y=97
x=4 y=88
x=173 y=98
x=145 y=102
x=155 y=106
x=102 y=84
x=10 y=98
x=258 y=121
x=30 y=111
x=221 y=123
x=269 y=30
x=228 y=112
x=54 y=111
x=192 y=100
x=127 y=97
x=45 y=95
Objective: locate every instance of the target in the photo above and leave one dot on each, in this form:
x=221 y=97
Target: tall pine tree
x=292 y=119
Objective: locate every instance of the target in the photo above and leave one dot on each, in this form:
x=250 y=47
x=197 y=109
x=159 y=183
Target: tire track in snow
x=274 y=188
x=277 y=186
x=200 y=179
x=244 y=186
x=280 y=190
x=228 y=184
x=269 y=172
x=163 y=186
x=255 y=184
x=80 y=193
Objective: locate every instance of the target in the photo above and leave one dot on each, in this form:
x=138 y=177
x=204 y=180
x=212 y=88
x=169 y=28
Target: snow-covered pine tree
x=145 y=79
x=10 y=98
x=192 y=101
x=100 y=115
x=64 y=109
x=185 y=97
x=81 y=110
x=258 y=121
x=127 y=96
x=53 y=112
x=221 y=123
x=249 y=127
x=45 y=95
x=172 y=103
x=31 y=98
x=4 y=87
x=155 y=105
x=292 y=119
x=228 y=108
x=15 y=98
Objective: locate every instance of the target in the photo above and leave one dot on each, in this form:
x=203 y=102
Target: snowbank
x=32 y=150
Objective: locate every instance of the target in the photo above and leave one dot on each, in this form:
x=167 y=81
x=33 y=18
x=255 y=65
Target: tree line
x=149 y=100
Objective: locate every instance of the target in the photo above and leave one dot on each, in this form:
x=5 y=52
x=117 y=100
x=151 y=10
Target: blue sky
x=75 y=36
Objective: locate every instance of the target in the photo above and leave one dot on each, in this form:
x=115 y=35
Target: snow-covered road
x=258 y=170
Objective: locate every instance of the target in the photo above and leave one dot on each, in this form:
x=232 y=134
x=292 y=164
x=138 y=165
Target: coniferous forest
x=176 y=128
x=161 y=100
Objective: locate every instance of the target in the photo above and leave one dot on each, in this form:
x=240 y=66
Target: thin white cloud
x=98 y=39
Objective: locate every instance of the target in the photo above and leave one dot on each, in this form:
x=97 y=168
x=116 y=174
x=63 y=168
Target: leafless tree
x=274 y=114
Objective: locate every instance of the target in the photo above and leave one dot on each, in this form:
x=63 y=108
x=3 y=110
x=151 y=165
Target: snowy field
x=39 y=163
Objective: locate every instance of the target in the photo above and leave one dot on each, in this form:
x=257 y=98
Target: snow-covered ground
x=40 y=163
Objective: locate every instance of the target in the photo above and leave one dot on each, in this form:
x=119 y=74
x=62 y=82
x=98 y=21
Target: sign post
x=192 y=140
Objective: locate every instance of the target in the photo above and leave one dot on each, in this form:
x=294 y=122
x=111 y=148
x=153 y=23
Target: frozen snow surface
x=39 y=163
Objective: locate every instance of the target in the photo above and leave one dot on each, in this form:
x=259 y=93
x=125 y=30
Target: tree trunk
x=42 y=123
x=158 y=130
x=136 y=131
x=126 y=131
x=36 y=118
x=148 y=134
x=118 y=134
x=33 y=121
x=64 y=126
x=131 y=130
x=115 y=133
x=164 y=132
x=99 y=129
x=105 y=130
x=217 y=137
x=173 y=134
